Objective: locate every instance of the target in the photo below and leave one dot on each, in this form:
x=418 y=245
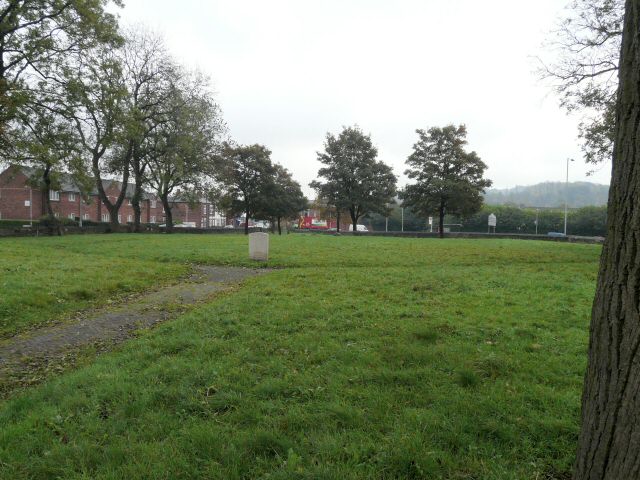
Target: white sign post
x=492 y=223
x=431 y=223
x=259 y=246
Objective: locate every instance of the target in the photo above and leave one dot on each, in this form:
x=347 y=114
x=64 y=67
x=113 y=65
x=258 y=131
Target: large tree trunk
x=135 y=203
x=338 y=221
x=168 y=216
x=441 y=212
x=279 y=227
x=114 y=224
x=112 y=208
x=609 y=442
x=354 y=220
x=53 y=225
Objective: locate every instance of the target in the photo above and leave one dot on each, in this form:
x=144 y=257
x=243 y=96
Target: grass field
x=360 y=358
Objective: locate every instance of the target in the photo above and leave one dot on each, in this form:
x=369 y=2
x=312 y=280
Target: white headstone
x=259 y=246
x=492 y=220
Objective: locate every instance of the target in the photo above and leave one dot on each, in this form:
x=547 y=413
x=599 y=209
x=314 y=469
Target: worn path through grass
x=22 y=358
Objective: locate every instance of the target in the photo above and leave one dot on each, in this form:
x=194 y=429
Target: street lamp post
x=402 y=220
x=566 y=196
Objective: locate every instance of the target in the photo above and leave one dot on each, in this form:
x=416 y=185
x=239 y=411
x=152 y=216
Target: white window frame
x=129 y=218
x=119 y=218
x=153 y=219
x=86 y=216
x=54 y=195
x=105 y=218
x=72 y=197
x=153 y=204
x=71 y=216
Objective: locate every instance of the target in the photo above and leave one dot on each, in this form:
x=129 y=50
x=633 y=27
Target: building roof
x=67 y=184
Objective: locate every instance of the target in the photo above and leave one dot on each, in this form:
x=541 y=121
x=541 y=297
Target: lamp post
x=402 y=220
x=566 y=196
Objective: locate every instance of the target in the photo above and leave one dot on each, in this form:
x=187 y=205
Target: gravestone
x=259 y=246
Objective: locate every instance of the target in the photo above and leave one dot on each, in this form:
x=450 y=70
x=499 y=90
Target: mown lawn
x=362 y=358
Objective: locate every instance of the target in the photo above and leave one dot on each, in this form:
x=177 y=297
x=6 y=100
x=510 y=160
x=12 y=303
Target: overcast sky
x=288 y=71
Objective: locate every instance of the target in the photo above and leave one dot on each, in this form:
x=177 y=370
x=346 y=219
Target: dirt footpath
x=21 y=355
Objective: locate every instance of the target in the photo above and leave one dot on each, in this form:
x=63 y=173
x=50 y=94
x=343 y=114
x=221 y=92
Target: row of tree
x=84 y=97
x=447 y=178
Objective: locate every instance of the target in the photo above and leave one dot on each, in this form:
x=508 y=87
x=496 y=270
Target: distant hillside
x=550 y=194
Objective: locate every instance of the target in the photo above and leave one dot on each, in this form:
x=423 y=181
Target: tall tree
x=184 y=150
x=353 y=179
x=248 y=177
x=586 y=47
x=95 y=102
x=35 y=33
x=448 y=179
x=48 y=144
x=285 y=198
x=610 y=434
x=148 y=73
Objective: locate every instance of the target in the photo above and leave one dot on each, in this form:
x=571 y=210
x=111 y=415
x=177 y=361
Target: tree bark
x=609 y=441
x=338 y=221
x=354 y=220
x=168 y=216
x=53 y=224
x=135 y=202
x=112 y=208
x=279 y=227
x=441 y=213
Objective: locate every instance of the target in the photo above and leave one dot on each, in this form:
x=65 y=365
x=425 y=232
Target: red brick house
x=20 y=201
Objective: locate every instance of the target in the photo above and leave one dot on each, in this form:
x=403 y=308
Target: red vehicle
x=311 y=223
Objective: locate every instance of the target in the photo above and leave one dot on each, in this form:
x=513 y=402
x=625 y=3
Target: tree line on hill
x=550 y=194
x=81 y=96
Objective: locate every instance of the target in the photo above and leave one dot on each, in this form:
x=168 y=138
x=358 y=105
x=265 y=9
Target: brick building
x=21 y=201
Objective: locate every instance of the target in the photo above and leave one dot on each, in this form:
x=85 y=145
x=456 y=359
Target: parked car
x=360 y=228
x=229 y=226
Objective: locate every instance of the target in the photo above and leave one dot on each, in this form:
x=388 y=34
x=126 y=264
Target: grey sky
x=288 y=71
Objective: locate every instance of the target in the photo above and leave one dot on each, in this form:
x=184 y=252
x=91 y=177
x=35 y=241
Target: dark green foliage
x=588 y=221
x=35 y=34
x=285 y=198
x=248 y=176
x=184 y=146
x=447 y=179
x=353 y=180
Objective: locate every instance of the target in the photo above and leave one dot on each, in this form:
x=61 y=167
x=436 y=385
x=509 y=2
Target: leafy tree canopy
x=353 y=179
x=448 y=179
